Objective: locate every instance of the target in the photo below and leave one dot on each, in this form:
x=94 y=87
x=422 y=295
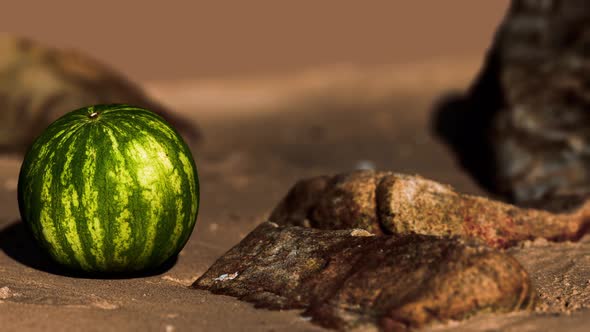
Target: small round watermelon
x=109 y=188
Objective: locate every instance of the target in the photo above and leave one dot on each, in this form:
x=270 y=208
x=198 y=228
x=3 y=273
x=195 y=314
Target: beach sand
x=261 y=134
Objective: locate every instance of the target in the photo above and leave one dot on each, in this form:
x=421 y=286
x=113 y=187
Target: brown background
x=188 y=39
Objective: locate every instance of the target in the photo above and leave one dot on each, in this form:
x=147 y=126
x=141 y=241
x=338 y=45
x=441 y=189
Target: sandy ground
x=261 y=135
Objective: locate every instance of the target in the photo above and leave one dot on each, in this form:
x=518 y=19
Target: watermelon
x=109 y=188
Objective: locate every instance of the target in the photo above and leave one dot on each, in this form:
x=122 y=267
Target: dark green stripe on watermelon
x=110 y=188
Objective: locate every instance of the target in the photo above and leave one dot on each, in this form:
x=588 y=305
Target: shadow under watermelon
x=17 y=242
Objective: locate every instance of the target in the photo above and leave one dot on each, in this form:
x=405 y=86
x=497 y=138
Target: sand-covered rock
x=523 y=130
x=391 y=203
x=39 y=83
x=349 y=278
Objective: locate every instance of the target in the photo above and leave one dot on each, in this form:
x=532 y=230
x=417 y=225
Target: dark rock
x=523 y=129
x=38 y=84
x=390 y=203
x=347 y=279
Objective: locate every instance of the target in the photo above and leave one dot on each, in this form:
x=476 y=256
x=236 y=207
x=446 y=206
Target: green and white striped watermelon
x=109 y=188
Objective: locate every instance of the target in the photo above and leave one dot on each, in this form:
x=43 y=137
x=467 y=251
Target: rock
x=345 y=279
x=523 y=129
x=6 y=293
x=390 y=203
x=38 y=84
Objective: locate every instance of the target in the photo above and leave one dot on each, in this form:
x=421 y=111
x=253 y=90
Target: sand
x=261 y=135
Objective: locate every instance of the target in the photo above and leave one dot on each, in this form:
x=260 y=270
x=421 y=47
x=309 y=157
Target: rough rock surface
x=390 y=203
x=523 y=130
x=38 y=84
x=346 y=279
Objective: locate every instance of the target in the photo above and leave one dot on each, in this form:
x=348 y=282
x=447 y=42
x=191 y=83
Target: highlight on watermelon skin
x=109 y=189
